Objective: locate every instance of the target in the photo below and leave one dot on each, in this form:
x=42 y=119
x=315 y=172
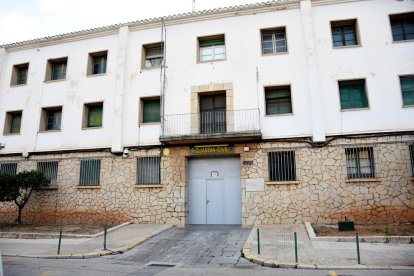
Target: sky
x=29 y=19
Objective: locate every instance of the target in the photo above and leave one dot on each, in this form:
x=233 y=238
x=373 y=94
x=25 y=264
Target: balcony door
x=213 y=113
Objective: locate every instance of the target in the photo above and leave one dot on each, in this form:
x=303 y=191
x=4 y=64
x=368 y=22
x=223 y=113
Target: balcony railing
x=211 y=123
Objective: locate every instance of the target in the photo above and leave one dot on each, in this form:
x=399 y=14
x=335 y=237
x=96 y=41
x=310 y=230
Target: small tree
x=19 y=187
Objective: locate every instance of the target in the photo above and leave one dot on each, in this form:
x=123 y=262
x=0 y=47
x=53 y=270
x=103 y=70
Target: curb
x=278 y=264
x=23 y=235
x=96 y=254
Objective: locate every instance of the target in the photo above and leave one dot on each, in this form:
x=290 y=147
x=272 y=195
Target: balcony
x=211 y=126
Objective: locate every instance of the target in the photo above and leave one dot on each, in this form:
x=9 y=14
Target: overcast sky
x=28 y=19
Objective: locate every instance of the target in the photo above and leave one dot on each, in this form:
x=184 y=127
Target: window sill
x=402 y=41
x=11 y=134
x=293 y=182
x=148 y=124
x=281 y=114
x=345 y=47
x=144 y=186
x=96 y=75
x=408 y=106
x=51 y=130
x=89 y=187
x=356 y=109
x=210 y=61
x=362 y=180
x=91 y=128
x=18 y=85
x=150 y=68
x=50 y=81
x=276 y=54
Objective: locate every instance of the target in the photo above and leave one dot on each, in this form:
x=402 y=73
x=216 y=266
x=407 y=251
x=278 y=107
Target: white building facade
x=278 y=112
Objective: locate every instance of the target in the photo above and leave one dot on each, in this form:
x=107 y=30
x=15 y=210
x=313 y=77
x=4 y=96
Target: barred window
x=90 y=171
x=8 y=168
x=360 y=162
x=282 y=166
x=50 y=169
x=412 y=158
x=148 y=170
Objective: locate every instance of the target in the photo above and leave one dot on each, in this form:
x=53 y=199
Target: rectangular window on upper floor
x=51 y=118
x=402 y=26
x=353 y=94
x=92 y=115
x=13 y=122
x=211 y=48
x=407 y=89
x=153 y=55
x=150 y=110
x=19 y=74
x=97 y=63
x=344 y=33
x=278 y=100
x=56 y=69
x=274 y=41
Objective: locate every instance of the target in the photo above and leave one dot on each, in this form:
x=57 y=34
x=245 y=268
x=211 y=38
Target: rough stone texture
x=321 y=193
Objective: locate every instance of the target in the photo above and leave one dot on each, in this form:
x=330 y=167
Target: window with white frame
x=212 y=48
x=282 y=166
x=8 y=168
x=274 y=41
x=50 y=170
x=90 y=171
x=360 y=162
x=148 y=170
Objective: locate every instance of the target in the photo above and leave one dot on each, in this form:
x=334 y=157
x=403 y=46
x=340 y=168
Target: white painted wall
x=378 y=60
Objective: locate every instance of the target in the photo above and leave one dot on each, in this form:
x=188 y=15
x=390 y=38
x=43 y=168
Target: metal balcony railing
x=211 y=123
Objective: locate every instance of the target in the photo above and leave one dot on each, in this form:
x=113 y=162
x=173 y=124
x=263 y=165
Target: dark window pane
x=148 y=170
x=16 y=120
x=353 y=95
x=53 y=118
x=151 y=112
x=402 y=26
x=360 y=162
x=99 y=65
x=95 y=116
x=90 y=171
x=22 y=75
x=407 y=87
x=8 y=168
x=282 y=166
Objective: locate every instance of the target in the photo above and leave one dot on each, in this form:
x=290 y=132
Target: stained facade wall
x=321 y=193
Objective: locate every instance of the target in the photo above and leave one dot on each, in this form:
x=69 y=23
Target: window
x=13 y=122
x=212 y=48
x=274 y=41
x=90 y=171
x=282 y=166
x=8 y=168
x=359 y=162
x=56 y=69
x=278 y=100
x=51 y=118
x=213 y=113
x=407 y=88
x=352 y=94
x=411 y=147
x=153 y=55
x=97 y=63
x=92 y=115
x=344 y=33
x=148 y=170
x=19 y=74
x=402 y=26
x=50 y=170
x=150 y=110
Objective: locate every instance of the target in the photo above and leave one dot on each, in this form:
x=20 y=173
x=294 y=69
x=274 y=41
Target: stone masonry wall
x=321 y=193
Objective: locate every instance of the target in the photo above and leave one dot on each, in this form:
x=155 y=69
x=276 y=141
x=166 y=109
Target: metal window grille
x=360 y=162
x=282 y=166
x=412 y=158
x=90 y=171
x=213 y=121
x=50 y=169
x=8 y=168
x=148 y=170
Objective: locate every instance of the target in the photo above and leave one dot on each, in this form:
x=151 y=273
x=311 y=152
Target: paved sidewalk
x=119 y=240
x=277 y=249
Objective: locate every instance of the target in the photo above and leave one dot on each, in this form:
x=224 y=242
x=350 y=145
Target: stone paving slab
x=277 y=244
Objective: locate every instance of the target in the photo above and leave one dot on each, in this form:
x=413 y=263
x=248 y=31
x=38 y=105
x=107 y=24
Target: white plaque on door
x=255 y=185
